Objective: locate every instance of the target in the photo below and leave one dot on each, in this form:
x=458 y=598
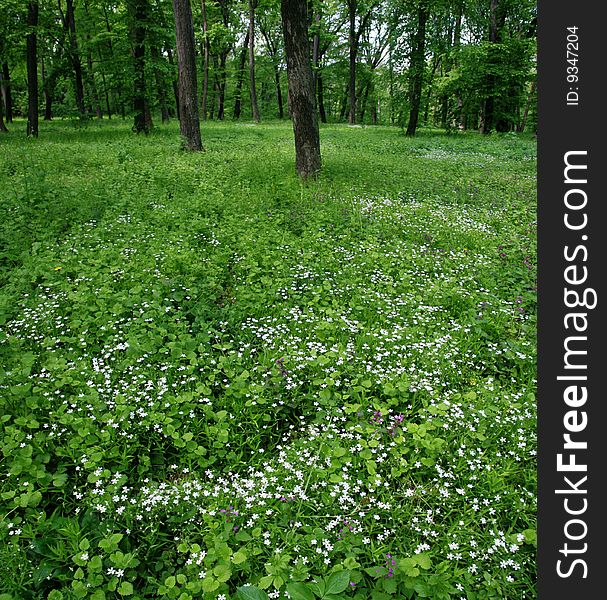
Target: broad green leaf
x=337 y=582
x=299 y=591
x=250 y=592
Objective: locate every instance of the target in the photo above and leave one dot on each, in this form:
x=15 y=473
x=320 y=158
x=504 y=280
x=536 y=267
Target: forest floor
x=220 y=383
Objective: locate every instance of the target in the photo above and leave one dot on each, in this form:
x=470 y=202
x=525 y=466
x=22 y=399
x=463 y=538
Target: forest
x=268 y=285
x=464 y=64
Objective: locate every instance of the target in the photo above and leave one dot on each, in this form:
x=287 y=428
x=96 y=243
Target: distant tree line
x=460 y=64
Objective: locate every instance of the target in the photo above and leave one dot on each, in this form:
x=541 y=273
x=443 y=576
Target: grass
x=219 y=383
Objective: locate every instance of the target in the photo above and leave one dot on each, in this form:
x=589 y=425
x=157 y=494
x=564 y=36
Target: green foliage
x=220 y=383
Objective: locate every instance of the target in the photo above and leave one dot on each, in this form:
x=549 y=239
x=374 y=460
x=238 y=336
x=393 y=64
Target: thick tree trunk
x=301 y=94
x=253 y=90
x=205 y=63
x=240 y=78
x=417 y=68
x=138 y=19
x=189 y=124
x=32 y=69
x=6 y=92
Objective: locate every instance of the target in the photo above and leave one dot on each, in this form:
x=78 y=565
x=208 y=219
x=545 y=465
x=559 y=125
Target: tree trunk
x=138 y=20
x=221 y=86
x=352 y=44
x=316 y=49
x=6 y=92
x=240 y=77
x=254 y=106
x=48 y=88
x=489 y=106
x=363 y=108
x=278 y=92
x=93 y=85
x=3 y=128
x=205 y=64
x=107 y=96
x=417 y=67
x=523 y=123
x=75 y=58
x=189 y=124
x=321 y=97
x=174 y=83
x=32 y=69
x=301 y=94
x=160 y=84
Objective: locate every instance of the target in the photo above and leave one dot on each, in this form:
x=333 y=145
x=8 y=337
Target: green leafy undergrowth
x=219 y=383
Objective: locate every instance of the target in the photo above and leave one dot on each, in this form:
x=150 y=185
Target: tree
x=6 y=92
x=418 y=64
x=240 y=77
x=206 y=54
x=301 y=91
x=138 y=11
x=32 y=69
x=3 y=128
x=189 y=123
x=253 y=90
x=70 y=25
x=269 y=25
x=354 y=35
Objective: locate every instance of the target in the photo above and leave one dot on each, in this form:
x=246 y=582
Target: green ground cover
x=218 y=383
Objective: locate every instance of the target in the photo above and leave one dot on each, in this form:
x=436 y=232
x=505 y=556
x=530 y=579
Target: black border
x=563 y=128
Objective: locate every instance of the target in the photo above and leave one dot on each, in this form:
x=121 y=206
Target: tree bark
x=417 y=67
x=253 y=90
x=301 y=93
x=189 y=124
x=32 y=69
x=6 y=92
